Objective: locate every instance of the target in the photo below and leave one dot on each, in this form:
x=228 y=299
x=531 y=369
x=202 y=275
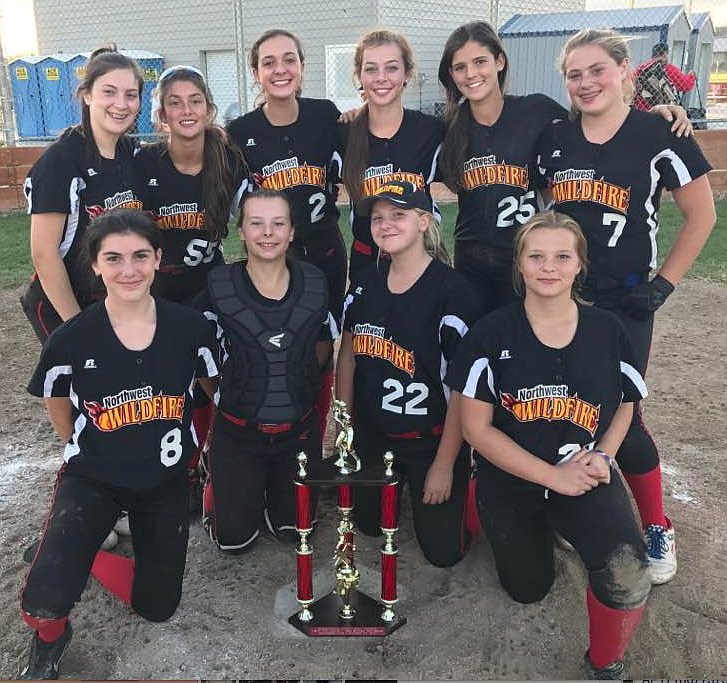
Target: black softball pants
x=439 y=528
x=519 y=522
x=488 y=271
x=252 y=477
x=83 y=511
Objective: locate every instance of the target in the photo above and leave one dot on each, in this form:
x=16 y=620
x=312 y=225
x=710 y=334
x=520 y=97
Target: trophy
x=346 y=611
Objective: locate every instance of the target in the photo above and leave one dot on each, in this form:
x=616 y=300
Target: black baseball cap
x=398 y=192
x=659 y=50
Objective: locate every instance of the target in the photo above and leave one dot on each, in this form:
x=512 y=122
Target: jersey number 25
x=417 y=390
x=521 y=209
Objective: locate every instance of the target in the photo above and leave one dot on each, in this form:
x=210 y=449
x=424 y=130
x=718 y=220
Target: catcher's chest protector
x=271 y=375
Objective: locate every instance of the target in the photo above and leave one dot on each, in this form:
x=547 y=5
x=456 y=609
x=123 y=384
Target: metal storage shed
x=533 y=42
x=699 y=57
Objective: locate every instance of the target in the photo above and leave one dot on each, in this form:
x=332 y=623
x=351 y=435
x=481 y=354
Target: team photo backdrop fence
x=216 y=36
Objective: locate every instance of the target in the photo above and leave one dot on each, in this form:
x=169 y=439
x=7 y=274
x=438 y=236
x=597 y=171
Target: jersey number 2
x=318 y=202
x=418 y=390
x=171 y=447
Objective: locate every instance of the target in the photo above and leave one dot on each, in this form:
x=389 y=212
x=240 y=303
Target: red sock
x=611 y=630
x=472 y=518
x=323 y=402
x=48 y=629
x=115 y=574
x=647 y=492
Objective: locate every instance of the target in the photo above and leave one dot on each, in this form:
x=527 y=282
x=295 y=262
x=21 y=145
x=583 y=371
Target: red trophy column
x=389 y=550
x=304 y=552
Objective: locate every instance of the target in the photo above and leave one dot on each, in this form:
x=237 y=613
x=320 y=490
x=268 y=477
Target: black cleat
x=612 y=672
x=45 y=658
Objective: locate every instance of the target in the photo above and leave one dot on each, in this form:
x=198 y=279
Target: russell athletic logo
x=368 y=340
x=133 y=407
x=551 y=402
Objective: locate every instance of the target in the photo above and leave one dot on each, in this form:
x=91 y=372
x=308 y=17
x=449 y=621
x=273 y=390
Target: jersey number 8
x=418 y=391
x=171 y=447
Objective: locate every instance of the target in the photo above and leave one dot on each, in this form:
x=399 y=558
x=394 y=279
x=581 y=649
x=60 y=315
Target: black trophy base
x=326 y=473
x=327 y=620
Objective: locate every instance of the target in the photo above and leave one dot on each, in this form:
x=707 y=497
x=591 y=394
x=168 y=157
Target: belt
x=603 y=282
x=265 y=428
x=434 y=431
x=362 y=247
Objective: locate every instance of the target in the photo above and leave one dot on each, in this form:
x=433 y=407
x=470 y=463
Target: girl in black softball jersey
x=606 y=167
x=290 y=143
x=547 y=389
x=192 y=184
x=275 y=327
x=86 y=172
x=385 y=141
x=118 y=380
x=489 y=156
x=404 y=318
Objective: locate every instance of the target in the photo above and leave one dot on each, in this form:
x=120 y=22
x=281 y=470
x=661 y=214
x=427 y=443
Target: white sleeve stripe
x=52 y=375
x=72 y=448
x=683 y=176
x=635 y=376
x=454 y=322
x=336 y=159
x=28 y=191
x=346 y=303
x=77 y=185
x=209 y=361
x=433 y=169
x=473 y=378
x=238 y=196
x=331 y=322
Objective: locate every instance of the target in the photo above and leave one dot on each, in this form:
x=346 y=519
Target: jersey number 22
x=417 y=390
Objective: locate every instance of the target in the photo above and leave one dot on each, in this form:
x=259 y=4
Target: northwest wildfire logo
x=182 y=216
x=121 y=200
x=133 y=407
x=480 y=171
x=289 y=173
x=376 y=176
x=551 y=402
x=574 y=185
x=368 y=340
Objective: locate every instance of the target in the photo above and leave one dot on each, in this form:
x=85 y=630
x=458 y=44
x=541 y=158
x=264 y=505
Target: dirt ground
x=232 y=621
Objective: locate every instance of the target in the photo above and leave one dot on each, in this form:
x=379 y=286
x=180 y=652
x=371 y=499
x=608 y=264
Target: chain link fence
x=38 y=98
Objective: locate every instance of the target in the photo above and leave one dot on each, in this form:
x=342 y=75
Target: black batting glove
x=647 y=297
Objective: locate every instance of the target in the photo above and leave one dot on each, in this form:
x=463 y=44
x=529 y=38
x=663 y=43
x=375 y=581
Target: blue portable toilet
x=55 y=93
x=76 y=73
x=26 y=94
x=151 y=65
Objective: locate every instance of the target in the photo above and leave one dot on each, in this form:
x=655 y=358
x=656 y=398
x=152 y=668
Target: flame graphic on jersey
x=372 y=183
x=135 y=411
x=570 y=408
x=288 y=173
x=121 y=200
x=480 y=171
x=579 y=185
x=369 y=341
x=180 y=216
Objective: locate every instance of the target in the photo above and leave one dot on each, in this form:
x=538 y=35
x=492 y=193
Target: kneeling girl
x=274 y=323
x=548 y=386
x=118 y=380
x=404 y=318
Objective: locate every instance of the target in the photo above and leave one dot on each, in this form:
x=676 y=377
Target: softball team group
x=526 y=356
